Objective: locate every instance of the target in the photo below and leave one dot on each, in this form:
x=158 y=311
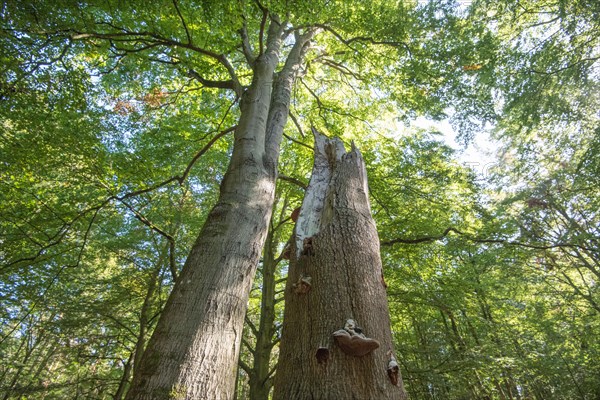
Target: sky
x=479 y=155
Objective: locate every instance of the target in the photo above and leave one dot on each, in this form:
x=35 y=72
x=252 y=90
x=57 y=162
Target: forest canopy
x=125 y=126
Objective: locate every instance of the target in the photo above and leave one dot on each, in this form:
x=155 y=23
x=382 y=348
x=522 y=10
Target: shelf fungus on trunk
x=303 y=285
x=353 y=342
x=393 y=369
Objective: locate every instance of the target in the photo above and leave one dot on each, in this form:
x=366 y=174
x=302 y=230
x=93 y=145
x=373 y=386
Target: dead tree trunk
x=336 y=341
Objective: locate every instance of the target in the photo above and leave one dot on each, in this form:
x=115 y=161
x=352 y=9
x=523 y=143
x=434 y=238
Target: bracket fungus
x=353 y=342
x=393 y=369
x=295 y=214
x=303 y=285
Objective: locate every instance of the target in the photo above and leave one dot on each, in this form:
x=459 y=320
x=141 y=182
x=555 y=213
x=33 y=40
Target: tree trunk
x=336 y=276
x=194 y=349
x=260 y=381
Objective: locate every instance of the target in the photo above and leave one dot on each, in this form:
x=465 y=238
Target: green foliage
x=107 y=170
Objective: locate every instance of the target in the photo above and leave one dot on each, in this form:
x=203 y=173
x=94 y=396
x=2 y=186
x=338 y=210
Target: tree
x=263 y=322
x=238 y=67
x=335 y=282
x=113 y=112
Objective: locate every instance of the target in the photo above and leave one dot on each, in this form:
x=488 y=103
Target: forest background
x=116 y=130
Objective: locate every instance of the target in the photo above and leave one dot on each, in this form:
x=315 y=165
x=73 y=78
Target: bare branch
x=295 y=181
x=297 y=124
x=187 y=32
x=428 y=239
x=210 y=83
x=298 y=142
x=246 y=46
x=245 y=367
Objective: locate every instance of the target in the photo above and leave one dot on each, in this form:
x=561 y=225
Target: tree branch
x=297 y=124
x=152 y=39
x=187 y=32
x=211 y=83
x=178 y=178
x=140 y=217
x=245 y=367
x=368 y=39
x=249 y=346
x=246 y=46
x=293 y=180
x=251 y=326
x=298 y=142
x=202 y=151
x=428 y=239
x=263 y=22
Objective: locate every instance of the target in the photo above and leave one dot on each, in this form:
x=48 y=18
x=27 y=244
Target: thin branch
x=249 y=346
x=558 y=70
x=251 y=326
x=296 y=123
x=57 y=238
x=368 y=39
x=64 y=229
x=297 y=142
x=282 y=298
x=246 y=46
x=261 y=35
x=187 y=32
x=202 y=151
x=270 y=374
x=34 y=305
x=340 y=67
x=429 y=239
x=282 y=280
x=293 y=180
x=211 y=83
x=153 y=39
x=322 y=107
x=178 y=178
x=245 y=367
x=144 y=220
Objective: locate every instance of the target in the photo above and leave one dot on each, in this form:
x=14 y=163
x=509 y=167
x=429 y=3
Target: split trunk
x=335 y=285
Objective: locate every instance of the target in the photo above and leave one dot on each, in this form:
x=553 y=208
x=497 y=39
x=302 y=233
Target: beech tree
x=335 y=283
x=249 y=57
x=127 y=128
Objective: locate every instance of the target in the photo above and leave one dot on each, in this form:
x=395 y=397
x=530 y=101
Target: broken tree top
x=320 y=200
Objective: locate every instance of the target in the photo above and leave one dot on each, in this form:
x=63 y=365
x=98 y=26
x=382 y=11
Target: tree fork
x=194 y=349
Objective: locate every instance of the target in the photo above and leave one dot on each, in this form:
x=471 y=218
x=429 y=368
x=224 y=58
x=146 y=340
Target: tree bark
x=260 y=379
x=194 y=349
x=335 y=275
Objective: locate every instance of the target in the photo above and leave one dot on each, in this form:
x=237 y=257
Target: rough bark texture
x=193 y=352
x=260 y=374
x=338 y=254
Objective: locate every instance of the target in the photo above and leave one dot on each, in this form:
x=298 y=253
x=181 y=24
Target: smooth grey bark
x=194 y=349
x=335 y=275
